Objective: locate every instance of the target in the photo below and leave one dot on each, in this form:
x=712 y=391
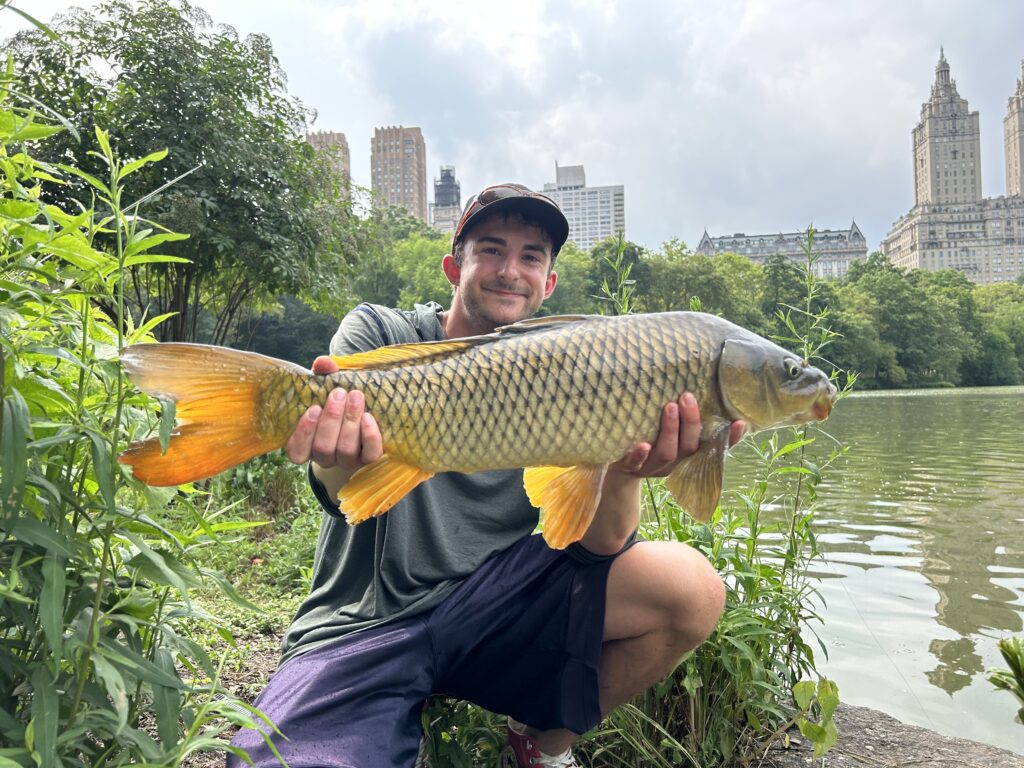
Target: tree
x=264 y=213
x=959 y=292
x=572 y=294
x=921 y=327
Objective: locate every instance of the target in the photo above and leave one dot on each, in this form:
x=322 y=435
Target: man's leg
x=354 y=703
x=663 y=600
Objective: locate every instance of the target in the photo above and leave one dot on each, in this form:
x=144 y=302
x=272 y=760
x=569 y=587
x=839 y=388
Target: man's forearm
x=617 y=516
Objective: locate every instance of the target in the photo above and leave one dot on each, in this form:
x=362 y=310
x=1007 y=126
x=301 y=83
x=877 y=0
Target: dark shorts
x=521 y=636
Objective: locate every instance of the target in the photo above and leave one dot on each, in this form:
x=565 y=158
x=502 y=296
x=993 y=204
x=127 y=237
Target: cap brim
x=550 y=218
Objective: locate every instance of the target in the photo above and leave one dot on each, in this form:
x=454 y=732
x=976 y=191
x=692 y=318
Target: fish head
x=767 y=386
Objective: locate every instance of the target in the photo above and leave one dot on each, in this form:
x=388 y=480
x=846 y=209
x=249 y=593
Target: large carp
x=561 y=396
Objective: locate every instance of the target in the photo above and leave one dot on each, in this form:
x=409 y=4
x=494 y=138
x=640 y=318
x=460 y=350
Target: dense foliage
x=265 y=214
x=99 y=664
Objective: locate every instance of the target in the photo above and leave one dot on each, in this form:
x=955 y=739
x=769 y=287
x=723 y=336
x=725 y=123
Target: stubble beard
x=482 y=311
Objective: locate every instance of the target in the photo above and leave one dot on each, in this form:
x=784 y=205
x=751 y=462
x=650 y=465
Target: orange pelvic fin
x=377 y=487
x=215 y=391
x=569 y=497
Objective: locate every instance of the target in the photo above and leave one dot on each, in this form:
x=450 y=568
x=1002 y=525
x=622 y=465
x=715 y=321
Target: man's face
x=505 y=273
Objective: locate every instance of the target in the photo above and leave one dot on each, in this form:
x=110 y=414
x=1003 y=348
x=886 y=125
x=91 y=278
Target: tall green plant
x=97 y=666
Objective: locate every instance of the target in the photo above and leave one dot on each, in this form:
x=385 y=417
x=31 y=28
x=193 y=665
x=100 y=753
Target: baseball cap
x=515 y=198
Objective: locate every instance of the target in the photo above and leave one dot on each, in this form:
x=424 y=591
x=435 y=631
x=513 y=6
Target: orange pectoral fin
x=377 y=487
x=569 y=497
x=696 y=484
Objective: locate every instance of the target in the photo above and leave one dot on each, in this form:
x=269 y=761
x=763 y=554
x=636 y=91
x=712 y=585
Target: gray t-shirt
x=409 y=559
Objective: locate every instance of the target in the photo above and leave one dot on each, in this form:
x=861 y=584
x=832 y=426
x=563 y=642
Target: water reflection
x=921 y=523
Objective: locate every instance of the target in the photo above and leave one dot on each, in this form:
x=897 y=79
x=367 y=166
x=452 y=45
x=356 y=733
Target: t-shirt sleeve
x=358 y=332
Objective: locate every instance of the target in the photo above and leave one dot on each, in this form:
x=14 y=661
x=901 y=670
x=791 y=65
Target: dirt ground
x=872 y=739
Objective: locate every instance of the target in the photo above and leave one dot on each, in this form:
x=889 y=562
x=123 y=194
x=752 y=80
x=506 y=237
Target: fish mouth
x=822 y=407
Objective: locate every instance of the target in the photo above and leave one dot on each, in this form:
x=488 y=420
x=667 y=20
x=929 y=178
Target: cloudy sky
x=737 y=115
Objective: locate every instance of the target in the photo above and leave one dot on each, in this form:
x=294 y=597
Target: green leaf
x=803 y=693
x=102 y=467
x=92 y=180
x=32 y=531
x=137 y=664
x=138 y=334
x=167 y=412
x=19 y=209
x=161 y=567
x=811 y=730
x=45 y=716
x=51 y=602
x=14 y=128
x=103 y=137
x=114 y=683
x=828 y=698
x=166 y=702
x=134 y=165
x=828 y=740
x=14 y=431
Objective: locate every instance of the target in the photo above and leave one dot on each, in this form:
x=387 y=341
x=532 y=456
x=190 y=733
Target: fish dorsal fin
x=423 y=352
x=538 y=324
x=569 y=498
x=696 y=484
x=402 y=355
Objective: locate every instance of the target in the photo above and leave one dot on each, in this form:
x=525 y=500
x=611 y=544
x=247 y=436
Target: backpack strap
x=368 y=309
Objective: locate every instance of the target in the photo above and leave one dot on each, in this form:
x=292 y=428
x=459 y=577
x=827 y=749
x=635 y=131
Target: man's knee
x=668 y=587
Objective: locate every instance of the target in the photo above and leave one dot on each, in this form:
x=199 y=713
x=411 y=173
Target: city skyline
x=758 y=116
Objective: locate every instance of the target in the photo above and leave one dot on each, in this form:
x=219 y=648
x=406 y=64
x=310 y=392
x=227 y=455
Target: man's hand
x=678 y=437
x=341 y=436
x=618 y=512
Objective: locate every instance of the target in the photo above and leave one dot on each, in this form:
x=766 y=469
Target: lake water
x=922 y=526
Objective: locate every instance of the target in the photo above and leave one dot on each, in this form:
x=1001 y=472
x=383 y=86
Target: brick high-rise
x=398 y=169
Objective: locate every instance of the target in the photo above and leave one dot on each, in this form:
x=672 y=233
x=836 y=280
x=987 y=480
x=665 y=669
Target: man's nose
x=507 y=268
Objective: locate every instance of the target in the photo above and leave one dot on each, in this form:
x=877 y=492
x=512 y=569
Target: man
x=449 y=592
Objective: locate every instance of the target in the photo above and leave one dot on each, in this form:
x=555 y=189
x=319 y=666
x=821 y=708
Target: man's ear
x=549 y=285
x=451 y=270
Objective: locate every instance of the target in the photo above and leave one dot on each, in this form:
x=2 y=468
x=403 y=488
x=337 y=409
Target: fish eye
x=792 y=369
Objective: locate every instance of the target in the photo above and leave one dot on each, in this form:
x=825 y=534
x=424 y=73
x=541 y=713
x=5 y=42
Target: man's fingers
x=324 y=366
x=736 y=432
x=300 y=445
x=689 y=430
x=373 y=442
x=325 y=441
x=665 y=447
x=350 y=434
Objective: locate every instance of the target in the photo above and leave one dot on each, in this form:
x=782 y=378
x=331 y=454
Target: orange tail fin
x=216 y=393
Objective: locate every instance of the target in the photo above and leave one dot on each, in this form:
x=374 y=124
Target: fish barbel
x=560 y=396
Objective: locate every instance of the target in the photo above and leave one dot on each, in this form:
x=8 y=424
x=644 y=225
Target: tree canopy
x=265 y=214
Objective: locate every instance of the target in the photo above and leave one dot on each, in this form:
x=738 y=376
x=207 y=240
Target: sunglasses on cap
x=545 y=209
